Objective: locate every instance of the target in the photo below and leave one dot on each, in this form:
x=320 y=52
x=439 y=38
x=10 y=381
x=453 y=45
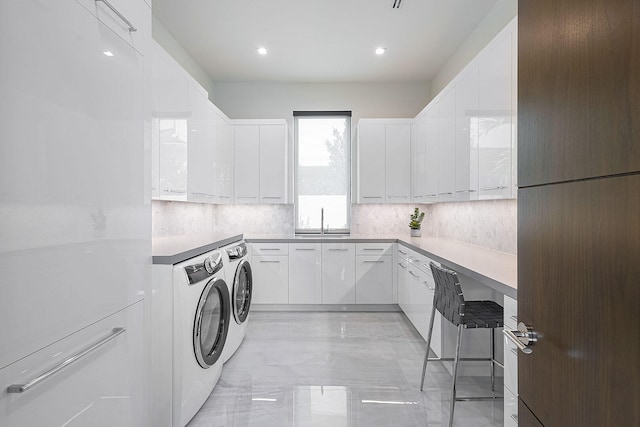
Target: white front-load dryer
x=240 y=281
x=202 y=316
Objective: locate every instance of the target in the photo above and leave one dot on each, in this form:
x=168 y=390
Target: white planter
x=416 y=232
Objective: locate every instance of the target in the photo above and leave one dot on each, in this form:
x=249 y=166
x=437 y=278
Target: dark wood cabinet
x=578 y=89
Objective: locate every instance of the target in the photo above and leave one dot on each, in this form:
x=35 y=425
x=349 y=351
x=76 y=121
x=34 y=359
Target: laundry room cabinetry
x=103 y=387
x=510 y=364
x=419 y=160
x=338 y=273
x=270 y=265
x=384 y=161
x=305 y=273
x=201 y=147
x=374 y=273
x=260 y=166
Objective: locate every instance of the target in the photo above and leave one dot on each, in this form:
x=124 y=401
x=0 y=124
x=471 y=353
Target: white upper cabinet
x=431 y=186
x=419 y=160
x=398 y=163
x=466 y=123
x=201 y=148
x=169 y=136
x=260 y=161
x=496 y=118
x=384 y=161
x=223 y=159
x=247 y=164
x=371 y=162
x=446 y=146
x=273 y=164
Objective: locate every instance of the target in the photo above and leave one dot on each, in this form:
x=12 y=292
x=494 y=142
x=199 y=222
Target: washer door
x=211 y=323
x=242 y=290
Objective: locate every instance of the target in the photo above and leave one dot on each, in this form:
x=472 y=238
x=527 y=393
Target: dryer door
x=242 y=290
x=212 y=322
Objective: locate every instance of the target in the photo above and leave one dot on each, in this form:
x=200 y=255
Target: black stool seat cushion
x=482 y=314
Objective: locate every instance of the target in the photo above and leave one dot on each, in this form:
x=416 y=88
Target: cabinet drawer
x=510 y=313
x=136 y=12
x=374 y=248
x=403 y=252
x=102 y=388
x=270 y=248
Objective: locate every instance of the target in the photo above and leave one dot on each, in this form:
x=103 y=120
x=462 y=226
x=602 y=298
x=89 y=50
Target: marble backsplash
x=490 y=224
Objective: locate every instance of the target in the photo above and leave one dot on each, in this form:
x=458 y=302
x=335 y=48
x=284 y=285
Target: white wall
x=500 y=15
x=165 y=39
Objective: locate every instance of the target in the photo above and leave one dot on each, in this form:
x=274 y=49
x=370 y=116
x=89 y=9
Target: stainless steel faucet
x=322 y=221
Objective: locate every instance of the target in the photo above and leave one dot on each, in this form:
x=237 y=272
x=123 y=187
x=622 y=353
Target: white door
x=371 y=162
x=419 y=160
x=247 y=164
x=398 y=163
x=466 y=122
x=374 y=280
x=447 y=146
x=270 y=279
x=273 y=164
x=305 y=273
x=338 y=273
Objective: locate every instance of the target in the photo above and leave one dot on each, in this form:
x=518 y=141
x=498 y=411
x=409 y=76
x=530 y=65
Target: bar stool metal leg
x=455 y=374
x=426 y=356
x=493 y=363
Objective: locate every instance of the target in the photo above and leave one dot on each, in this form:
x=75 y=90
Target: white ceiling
x=321 y=40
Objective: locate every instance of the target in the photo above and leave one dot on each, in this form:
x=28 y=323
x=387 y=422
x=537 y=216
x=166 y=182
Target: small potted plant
x=416 y=222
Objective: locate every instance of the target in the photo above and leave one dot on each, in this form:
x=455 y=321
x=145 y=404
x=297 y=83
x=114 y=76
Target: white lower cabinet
x=510 y=365
x=103 y=388
x=338 y=273
x=374 y=279
x=270 y=279
x=305 y=273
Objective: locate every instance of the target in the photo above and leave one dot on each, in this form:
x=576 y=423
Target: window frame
x=322 y=115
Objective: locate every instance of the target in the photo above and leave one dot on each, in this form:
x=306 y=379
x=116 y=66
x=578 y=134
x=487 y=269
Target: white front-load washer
x=202 y=316
x=240 y=281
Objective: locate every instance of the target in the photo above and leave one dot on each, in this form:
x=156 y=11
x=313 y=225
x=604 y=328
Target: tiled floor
x=338 y=370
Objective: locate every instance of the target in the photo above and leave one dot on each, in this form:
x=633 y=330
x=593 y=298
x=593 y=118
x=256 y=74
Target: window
x=323 y=170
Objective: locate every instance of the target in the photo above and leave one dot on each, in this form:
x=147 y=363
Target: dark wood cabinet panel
x=579 y=288
x=578 y=89
x=526 y=417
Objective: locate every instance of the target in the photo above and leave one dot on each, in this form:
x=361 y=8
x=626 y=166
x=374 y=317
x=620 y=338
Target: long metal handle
x=21 y=388
x=523 y=338
x=373 y=249
x=431 y=195
x=499 y=187
x=372 y=197
x=267 y=261
x=412 y=273
x=448 y=193
x=203 y=194
x=397 y=197
x=305 y=249
x=338 y=249
x=402 y=265
x=465 y=191
x=169 y=190
x=372 y=262
x=121 y=16
x=272 y=197
x=427 y=285
x=269 y=249
x=402 y=252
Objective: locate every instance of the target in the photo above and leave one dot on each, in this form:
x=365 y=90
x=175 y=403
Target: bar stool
x=449 y=301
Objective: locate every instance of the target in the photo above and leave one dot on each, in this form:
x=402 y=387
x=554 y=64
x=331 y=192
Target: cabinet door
x=371 y=163
x=270 y=279
x=467 y=134
x=201 y=149
x=273 y=164
x=223 y=160
x=447 y=146
x=247 y=164
x=398 y=163
x=431 y=144
x=305 y=273
x=419 y=160
x=338 y=273
x=401 y=280
x=495 y=121
x=374 y=280
x=104 y=388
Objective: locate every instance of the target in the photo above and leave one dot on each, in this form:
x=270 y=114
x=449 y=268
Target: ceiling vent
x=396 y=4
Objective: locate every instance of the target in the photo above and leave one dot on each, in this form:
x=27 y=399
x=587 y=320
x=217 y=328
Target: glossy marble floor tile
x=338 y=370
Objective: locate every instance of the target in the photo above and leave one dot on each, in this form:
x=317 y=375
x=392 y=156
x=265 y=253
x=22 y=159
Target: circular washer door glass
x=242 y=290
x=211 y=323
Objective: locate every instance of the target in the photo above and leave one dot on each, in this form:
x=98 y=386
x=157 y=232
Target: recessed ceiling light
x=108 y=53
x=262 y=50
x=381 y=50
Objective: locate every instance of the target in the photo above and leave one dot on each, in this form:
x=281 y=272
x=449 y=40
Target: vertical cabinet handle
x=121 y=16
